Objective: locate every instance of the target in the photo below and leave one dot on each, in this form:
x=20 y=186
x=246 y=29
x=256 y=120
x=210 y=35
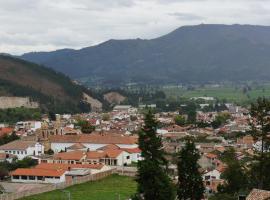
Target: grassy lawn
x=105 y=189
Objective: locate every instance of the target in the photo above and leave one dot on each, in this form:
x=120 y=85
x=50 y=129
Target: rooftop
x=94 y=138
x=71 y=155
x=257 y=194
x=37 y=172
x=18 y=145
x=68 y=166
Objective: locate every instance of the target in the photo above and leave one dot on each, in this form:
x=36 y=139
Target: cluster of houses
x=114 y=142
x=73 y=154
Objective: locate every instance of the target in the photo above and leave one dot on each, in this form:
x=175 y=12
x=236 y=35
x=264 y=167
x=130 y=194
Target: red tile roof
x=37 y=172
x=18 y=145
x=113 y=153
x=134 y=150
x=211 y=155
x=95 y=155
x=77 y=146
x=108 y=153
x=94 y=139
x=3 y=156
x=5 y=130
x=72 y=155
x=109 y=146
x=61 y=166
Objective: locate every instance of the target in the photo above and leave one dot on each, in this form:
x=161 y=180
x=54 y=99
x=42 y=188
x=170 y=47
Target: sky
x=46 y=25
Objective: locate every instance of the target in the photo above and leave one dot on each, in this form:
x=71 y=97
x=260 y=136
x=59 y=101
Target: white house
x=211 y=175
x=212 y=180
x=111 y=157
x=135 y=154
x=22 y=149
x=55 y=172
x=28 y=125
x=35 y=175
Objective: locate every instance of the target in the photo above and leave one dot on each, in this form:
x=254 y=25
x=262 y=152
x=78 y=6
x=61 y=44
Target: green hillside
x=53 y=90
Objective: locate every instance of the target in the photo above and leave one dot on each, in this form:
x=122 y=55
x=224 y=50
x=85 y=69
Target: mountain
x=190 y=54
x=52 y=90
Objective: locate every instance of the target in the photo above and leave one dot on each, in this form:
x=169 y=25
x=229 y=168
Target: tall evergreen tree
x=234 y=175
x=190 y=184
x=153 y=181
x=260 y=123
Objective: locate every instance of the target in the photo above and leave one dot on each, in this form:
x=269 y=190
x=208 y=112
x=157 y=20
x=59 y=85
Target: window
x=32 y=178
x=21 y=152
x=18 y=152
x=128 y=157
x=40 y=178
x=48 y=177
x=14 y=152
x=207 y=177
x=24 y=177
x=16 y=177
x=57 y=177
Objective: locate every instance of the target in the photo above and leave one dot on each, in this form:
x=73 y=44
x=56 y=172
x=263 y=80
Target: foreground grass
x=106 y=189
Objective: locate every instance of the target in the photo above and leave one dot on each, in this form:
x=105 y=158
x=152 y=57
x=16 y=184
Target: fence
x=48 y=188
x=126 y=171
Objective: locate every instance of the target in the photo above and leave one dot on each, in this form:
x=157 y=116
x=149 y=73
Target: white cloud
x=41 y=25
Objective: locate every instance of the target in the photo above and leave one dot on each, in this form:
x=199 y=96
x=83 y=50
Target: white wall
x=21 y=154
x=122 y=159
x=135 y=157
x=57 y=147
x=212 y=173
x=47 y=180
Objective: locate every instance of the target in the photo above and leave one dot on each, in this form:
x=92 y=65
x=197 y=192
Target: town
x=67 y=148
x=135 y=100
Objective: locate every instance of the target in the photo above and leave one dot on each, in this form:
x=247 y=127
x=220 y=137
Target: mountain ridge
x=190 y=54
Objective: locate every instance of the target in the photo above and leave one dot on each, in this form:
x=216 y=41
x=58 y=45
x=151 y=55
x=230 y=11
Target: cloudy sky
x=45 y=25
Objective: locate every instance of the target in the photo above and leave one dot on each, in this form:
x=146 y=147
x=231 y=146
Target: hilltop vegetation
x=53 y=90
x=13 y=115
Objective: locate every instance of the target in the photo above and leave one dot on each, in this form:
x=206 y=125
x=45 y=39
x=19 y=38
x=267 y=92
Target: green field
x=230 y=93
x=106 y=189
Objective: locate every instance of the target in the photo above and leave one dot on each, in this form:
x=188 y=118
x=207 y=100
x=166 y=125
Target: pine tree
x=234 y=175
x=153 y=181
x=260 y=124
x=190 y=184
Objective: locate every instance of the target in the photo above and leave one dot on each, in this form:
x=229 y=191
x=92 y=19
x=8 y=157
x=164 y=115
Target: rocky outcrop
x=114 y=97
x=96 y=105
x=15 y=102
